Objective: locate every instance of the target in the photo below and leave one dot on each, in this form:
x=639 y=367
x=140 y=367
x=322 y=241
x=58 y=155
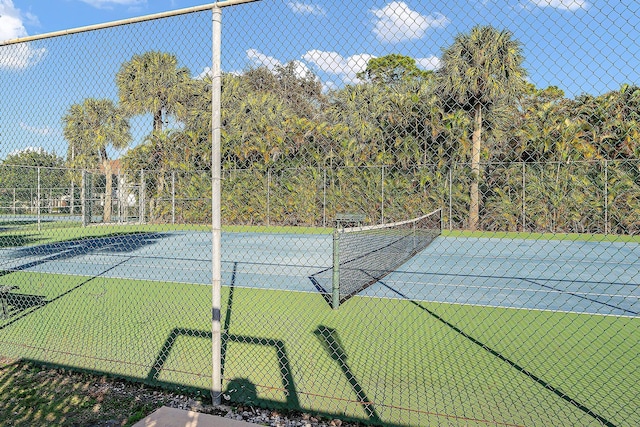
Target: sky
x=581 y=46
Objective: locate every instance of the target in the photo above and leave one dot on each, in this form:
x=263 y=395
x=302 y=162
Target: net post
x=335 y=278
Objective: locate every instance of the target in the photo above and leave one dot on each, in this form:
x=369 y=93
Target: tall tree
x=152 y=83
x=392 y=69
x=613 y=119
x=359 y=108
x=481 y=71
x=90 y=128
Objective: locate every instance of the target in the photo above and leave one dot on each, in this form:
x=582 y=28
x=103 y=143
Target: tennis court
x=444 y=300
x=557 y=275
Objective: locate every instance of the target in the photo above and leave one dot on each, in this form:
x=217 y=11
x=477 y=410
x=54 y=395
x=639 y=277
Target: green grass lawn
x=415 y=363
x=16 y=233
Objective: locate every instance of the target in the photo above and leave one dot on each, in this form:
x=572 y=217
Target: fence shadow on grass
x=331 y=343
x=25 y=304
x=68 y=249
x=15 y=224
x=239 y=388
x=546 y=385
x=121 y=242
x=16 y=240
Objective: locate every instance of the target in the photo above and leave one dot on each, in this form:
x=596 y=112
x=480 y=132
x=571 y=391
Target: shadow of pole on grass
x=240 y=385
x=331 y=342
x=286 y=375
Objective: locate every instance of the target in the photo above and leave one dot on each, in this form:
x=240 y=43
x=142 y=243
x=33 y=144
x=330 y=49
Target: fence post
x=382 y=194
x=450 y=199
x=126 y=191
x=335 y=276
x=524 y=204
x=606 y=197
x=216 y=89
x=268 y=196
x=173 y=197
x=119 y=193
x=324 y=197
x=84 y=208
x=71 y=199
x=38 y=200
x=142 y=197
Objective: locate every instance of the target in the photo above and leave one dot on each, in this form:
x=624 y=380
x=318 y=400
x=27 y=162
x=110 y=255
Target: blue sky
x=581 y=46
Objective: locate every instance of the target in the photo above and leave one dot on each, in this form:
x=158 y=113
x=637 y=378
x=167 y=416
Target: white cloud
x=330 y=62
x=329 y=86
x=396 y=22
x=334 y=63
x=428 y=63
x=301 y=69
x=206 y=72
x=20 y=56
x=11 y=26
x=306 y=8
x=345 y=69
x=103 y=4
x=261 y=60
x=36 y=130
x=562 y=4
x=38 y=150
x=16 y=56
x=348 y=68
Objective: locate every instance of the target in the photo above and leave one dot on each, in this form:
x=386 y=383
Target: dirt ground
x=34 y=395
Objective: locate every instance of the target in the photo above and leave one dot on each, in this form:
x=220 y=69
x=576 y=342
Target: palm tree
x=360 y=109
x=90 y=128
x=481 y=71
x=152 y=83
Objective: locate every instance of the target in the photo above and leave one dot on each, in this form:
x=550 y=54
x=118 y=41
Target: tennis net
x=365 y=255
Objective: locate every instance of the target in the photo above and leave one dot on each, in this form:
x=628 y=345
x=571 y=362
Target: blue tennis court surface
x=572 y=276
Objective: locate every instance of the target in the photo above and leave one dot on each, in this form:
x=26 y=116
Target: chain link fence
x=515 y=303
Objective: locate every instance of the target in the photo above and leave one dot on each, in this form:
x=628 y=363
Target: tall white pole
x=216 y=94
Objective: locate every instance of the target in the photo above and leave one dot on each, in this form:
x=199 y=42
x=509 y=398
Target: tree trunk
x=157 y=121
x=476 y=144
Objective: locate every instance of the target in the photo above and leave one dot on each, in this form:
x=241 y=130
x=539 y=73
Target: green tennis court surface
x=310 y=352
x=517 y=338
